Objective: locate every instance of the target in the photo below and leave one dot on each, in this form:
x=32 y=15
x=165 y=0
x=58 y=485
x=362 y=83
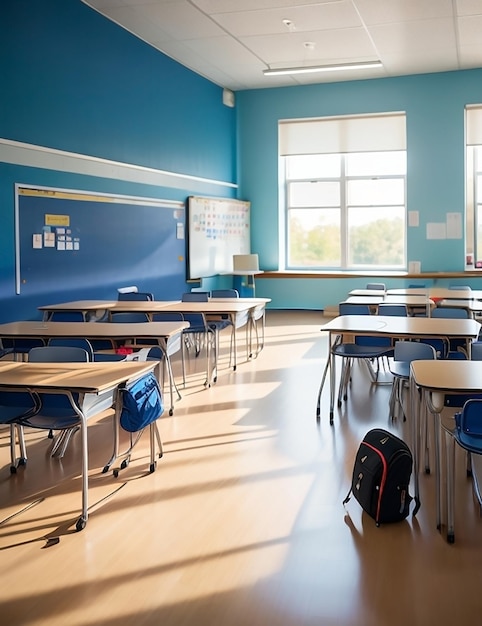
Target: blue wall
x=74 y=81
x=434 y=105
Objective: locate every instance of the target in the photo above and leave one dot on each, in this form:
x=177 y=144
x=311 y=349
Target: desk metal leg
x=330 y=365
x=323 y=378
x=415 y=419
x=450 y=452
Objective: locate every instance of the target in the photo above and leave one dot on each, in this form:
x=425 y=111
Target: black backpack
x=381 y=477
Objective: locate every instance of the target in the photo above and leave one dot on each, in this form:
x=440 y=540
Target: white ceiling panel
x=267 y=22
x=388 y=11
x=409 y=36
x=230 y=42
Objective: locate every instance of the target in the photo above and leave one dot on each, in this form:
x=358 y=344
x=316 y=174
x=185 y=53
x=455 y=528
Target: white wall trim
x=19 y=153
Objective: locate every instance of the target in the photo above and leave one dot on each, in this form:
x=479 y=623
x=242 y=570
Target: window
x=473 y=181
x=343 y=203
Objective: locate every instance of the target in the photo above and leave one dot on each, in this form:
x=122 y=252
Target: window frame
x=343 y=180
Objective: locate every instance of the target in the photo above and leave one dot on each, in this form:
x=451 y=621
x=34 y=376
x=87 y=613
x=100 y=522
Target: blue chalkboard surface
x=218 y=229
x=75 y=238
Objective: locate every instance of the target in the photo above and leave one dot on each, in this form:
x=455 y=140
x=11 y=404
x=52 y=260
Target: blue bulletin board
x=218 y=229
x=80 y=239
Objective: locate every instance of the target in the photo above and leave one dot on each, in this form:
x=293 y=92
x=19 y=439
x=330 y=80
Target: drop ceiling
x=231 y=42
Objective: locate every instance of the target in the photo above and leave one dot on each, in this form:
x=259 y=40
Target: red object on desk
x=124 y=350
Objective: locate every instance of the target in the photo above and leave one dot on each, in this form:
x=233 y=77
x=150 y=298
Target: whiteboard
x=217 y=229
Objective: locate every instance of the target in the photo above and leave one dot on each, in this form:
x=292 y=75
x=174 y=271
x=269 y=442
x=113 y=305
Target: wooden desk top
x=227 y=306
x=148 y=306
x=471 y=305
x=90 y=377
x=91 y=329
x=403 y=326
x=447 y=375
x=440 y=292
x=407 y=299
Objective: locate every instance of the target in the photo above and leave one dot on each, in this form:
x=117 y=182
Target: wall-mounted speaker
x=228 y=98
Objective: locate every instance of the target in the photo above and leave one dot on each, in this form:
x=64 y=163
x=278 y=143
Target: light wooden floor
x=242 y=523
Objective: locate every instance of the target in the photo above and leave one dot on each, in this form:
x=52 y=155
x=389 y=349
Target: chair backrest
x=345 y=308
x=58 y=354
x=380 y=286
x=409 y=351
x=67 y=316
x=476 y=351
x=225 y=293
x=142 y=296
x=468 y=432
x=129 y=318
x=195 y=296
x=168 y=316
x=417 y=286
x=450 y=312
x=461 y=287
x=393 y=309
x=73 y=342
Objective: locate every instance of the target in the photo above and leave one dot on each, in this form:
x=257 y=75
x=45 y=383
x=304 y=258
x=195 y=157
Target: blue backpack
x=141 y=403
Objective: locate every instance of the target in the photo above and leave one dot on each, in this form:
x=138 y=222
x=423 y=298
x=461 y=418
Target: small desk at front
x=95 y=310
x=163 y=332
x=240 y=311
x=395 y=328
x=435 y=379
x=69 y=379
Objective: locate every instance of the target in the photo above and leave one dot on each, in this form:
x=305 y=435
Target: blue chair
x=404 y=353
x=380 y=286
x=66 y=316
x=467 y=433
x=79 y=316
x=196 y=296
x=19 y=347
x=73 y=342
x=398 y=310
x=15 y=405
x=177 y=345
x=455 y=345
x=225 y=293
x=365 y=348
x=66 y=412
x=224 y=321
x=136 y=296
x=129 y=318
x=476 y=351
x=199 y=332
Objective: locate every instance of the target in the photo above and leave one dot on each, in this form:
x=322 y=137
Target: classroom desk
x=440 y=292
x=411 y=301
x=473 y=307
x=95 y=310
x=241 y=311
x=394 y=327
x=435 y=379
x=238 y=310
x=257 y=312
x=367 y=293
x=164 y=332
x=68 y=379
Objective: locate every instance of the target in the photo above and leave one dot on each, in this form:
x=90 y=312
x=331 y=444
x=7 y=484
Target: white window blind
x=473 y=125
x=335 y=135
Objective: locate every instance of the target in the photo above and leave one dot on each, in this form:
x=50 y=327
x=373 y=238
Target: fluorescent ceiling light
x=308 y=69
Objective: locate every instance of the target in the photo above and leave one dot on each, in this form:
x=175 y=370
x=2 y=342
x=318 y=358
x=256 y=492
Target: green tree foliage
x=378 y=243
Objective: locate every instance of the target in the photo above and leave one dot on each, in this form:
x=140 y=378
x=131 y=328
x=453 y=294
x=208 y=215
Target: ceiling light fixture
x=308 y=69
